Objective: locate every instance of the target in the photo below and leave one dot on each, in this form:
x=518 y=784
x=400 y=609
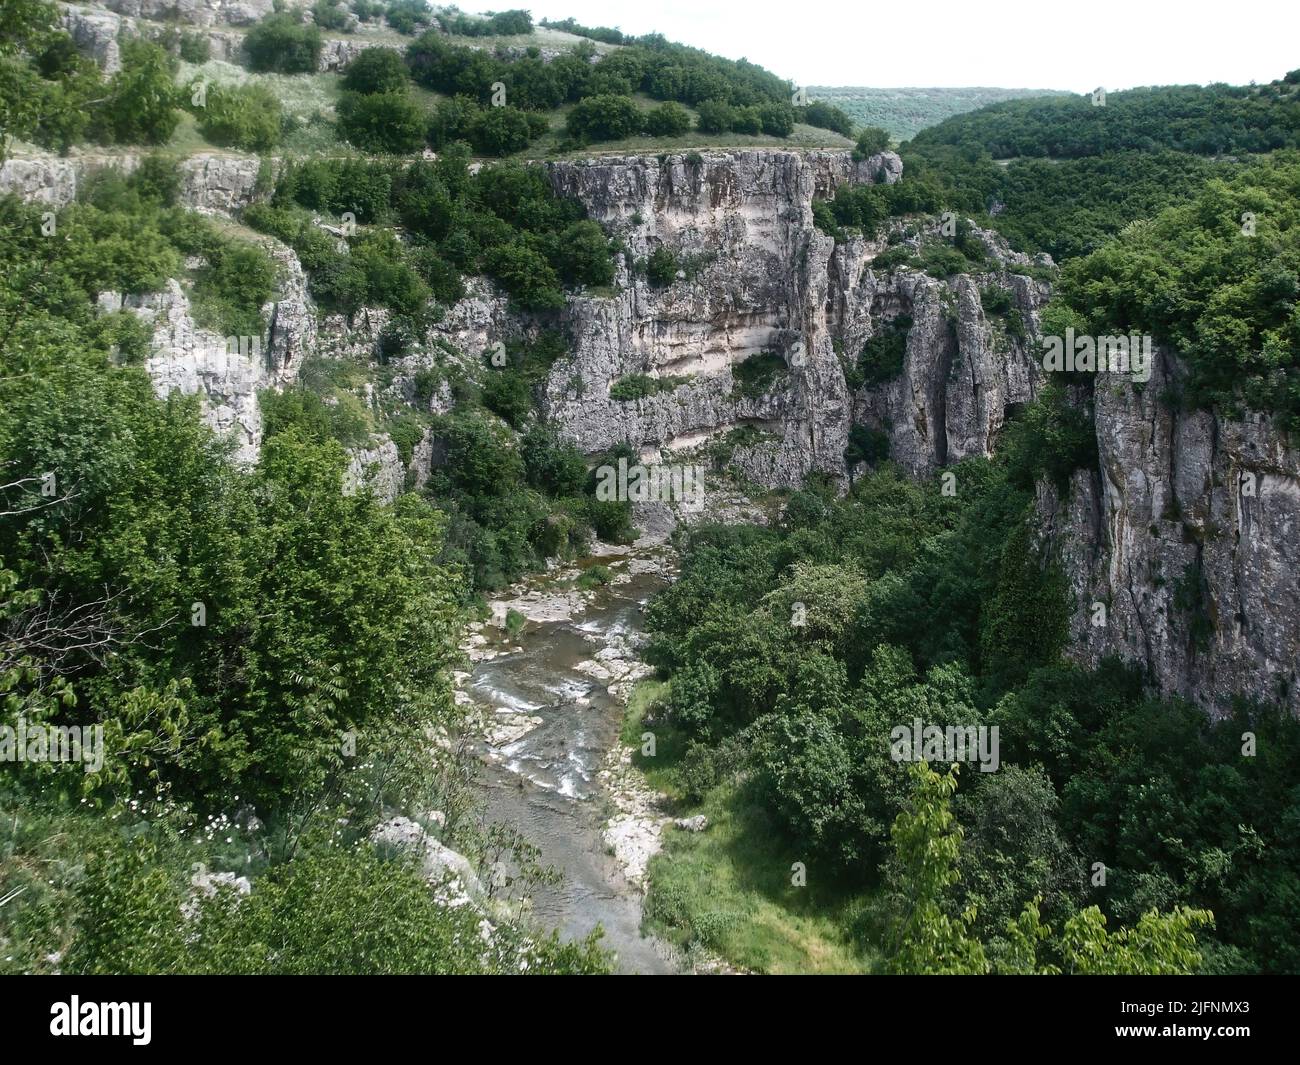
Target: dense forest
x=794 y=651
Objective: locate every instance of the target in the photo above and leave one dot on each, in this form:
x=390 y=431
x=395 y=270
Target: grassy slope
x=907 y=111
x=726 y=892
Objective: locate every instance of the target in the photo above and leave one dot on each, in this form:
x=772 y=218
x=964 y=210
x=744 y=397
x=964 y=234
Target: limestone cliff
x=757 y=278
x=1183 y=548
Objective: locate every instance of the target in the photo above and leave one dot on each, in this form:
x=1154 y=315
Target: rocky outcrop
x=211 y=182
x=751 y=284
x=195 y=12
x=439 y=864
x=963 y=369
x=95 y=33
x=192 y=360
x=227 y=372
x=1183 y=548
x=377 y=466
x=337 y=52
x=219 y=183
x=758 y=280
x=45 y=179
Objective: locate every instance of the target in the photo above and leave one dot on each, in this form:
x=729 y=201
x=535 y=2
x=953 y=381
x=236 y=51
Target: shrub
x=194 y=48
x=283 y=44
x=872 y=140
x=640 y=386
x=241 y=116
x=501 y=131
x=756 y=375
x=582 y=255
x=388 y=122
x=139 y=106
x=526 y=276
x=777 y=119
x=376 y=70
x=329 y=15
x=667 y=120
x=747 y=120
x=714 y=116
x=883 y=355
x=827 y=116
x=407 y=16
x=661 y=267
x=604 y=118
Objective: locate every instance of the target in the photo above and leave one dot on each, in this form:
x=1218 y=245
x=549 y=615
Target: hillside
x=907 y=111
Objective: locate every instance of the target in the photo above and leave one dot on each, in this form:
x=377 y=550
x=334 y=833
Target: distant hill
x=905 y=112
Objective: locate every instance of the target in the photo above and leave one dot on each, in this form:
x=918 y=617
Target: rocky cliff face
x=963 y=369
x=757 y=280
x=211 y=182
x=228 y=372
x=1183 y=547
x=740 y=227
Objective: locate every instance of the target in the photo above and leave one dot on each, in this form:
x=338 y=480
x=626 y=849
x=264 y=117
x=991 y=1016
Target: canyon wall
x=1182 y=548
x=1187 y=534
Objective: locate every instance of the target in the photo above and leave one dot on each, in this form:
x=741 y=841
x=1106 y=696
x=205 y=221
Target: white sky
x=1050 y=44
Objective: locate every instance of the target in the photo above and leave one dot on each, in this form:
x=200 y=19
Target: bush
x=747 y=120
x=714 y=116
x=241 y=116
x=389 y=122
x=640 y=386
x=329 y=14
x=604 y=118
x=283 y=44
x=407 y=16
x=872 y=140
x=582 y=255
x=376 y=70
x=777 y=119
x=194 y=48
x=139 y=105
x=661 y=267
x=526 y=276
x=827 y=116
x=668 y=120
x=501 y=131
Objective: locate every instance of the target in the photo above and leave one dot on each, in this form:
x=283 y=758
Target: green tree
x=283 y=43
x=376 y=70
x=668 y=120
x=604 y=118
x=389 y=122
x=241 y=116
x=140 y=102
x=927 y=842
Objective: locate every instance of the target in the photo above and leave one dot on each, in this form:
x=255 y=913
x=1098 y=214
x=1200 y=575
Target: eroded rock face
x=1183 y=548
x=195 y=12
x=751 y=283
x=218 y=183
x=758 y=280
x=196 y=361
x=227 y=372
x=46 y=180
x=96 y=32
x=963 y=369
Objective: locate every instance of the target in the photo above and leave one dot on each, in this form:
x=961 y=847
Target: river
x=548 y=782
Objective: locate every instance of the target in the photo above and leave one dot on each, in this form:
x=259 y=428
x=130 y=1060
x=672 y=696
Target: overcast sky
x=1048 y=44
